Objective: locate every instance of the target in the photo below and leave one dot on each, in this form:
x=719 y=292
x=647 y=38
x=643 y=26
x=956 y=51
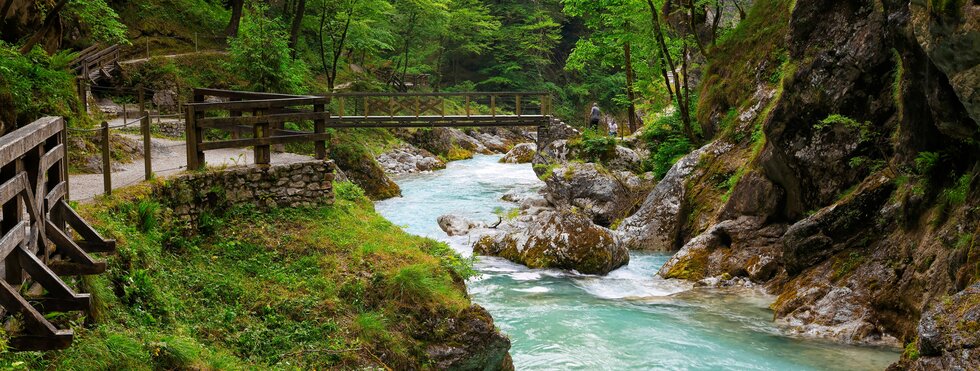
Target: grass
x=321 y=288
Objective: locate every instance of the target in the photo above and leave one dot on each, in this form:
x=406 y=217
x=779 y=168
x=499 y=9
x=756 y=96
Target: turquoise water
x=630 y=319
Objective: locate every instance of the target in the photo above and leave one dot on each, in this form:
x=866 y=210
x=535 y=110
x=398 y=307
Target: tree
x=96 y=14
x=681 y=92
x=469 y=32
x=236 y=18
x=415 y=22
x=261 y=54
x=297 y=23
x=347 y=25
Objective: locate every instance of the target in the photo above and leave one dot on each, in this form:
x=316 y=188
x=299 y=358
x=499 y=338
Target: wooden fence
x=258 y=119
x=37 y=247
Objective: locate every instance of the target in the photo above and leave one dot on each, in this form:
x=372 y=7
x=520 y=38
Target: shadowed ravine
x=628 y=319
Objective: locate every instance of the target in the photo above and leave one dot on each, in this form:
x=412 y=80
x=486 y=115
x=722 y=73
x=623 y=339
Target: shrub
x=667 y=142
x=348 y=191
x=926 y=162
x=36 y=85
x=596 y=147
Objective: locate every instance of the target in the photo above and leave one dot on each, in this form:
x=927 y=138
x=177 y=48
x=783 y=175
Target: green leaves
x=260 y=54
x=102 y=21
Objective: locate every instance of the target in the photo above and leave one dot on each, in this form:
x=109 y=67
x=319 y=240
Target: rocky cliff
x=844 y=177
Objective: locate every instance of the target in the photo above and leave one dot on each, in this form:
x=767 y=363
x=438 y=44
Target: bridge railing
x=468 y=104
x=36 y=244
x=258 y=120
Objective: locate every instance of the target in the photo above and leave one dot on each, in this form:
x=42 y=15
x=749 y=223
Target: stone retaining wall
x=303 y=184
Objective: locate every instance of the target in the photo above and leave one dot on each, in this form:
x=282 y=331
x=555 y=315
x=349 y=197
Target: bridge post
x=147 y=154
x=195 y=157
x=517 y=104
x=320 y=127
x=106 y=160
x=263 y=152
x=12 y=214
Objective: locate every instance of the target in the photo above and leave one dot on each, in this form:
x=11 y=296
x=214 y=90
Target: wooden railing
x=262 y=116
x=36 y=243
x=93 y=64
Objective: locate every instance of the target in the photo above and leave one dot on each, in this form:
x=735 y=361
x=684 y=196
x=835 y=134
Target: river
x=630 y=319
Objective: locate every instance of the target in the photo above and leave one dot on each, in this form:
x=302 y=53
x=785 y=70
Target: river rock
x=521 y=154
x=561 y=239
x=443 y=140
x=624 y=159
x=407 y=159
x=656 y=225
x=455 y=225
x=601 y=194
x=362 y=169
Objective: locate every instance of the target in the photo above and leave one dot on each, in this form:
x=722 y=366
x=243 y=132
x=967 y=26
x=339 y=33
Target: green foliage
x=911 y=351
x=37 y=84
x=925 y=162
x=100 y=19
x=348 y=191
x=946 y=8
x=958 y=193
x=667 y=143
x=843 y=266
x=595 y=147
x=261 y=55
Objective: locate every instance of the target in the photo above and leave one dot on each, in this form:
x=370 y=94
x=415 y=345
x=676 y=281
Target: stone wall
x=303 y=184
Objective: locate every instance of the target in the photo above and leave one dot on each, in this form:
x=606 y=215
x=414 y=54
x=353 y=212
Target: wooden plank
x=14 y=144
x=93 y=241
x=246 y=105
x=245 y=94
x=56 y=193
x=13 y=239
x=82 y=263
x=47 y=278
x=12 y=188
x=40 y=334
x=224 y=122
x=106 y=160
x=51 y=158
x=47 y=304
x=264 y=141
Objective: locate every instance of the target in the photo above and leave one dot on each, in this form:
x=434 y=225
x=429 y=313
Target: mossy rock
x=362 y=169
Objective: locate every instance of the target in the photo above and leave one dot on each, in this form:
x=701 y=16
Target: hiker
x=594 y=118
x=613 y=128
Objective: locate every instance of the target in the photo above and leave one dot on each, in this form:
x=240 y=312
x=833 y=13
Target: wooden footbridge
x=259 y=120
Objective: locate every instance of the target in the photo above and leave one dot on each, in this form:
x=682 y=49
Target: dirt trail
x=169 y=158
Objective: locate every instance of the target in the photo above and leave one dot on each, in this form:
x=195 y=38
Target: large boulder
x=560 y=239
x=521 y=154
x=657 y=224
x=407 y=159
x=604 y=195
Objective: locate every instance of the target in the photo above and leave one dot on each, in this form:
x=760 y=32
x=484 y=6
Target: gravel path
x=169 y=158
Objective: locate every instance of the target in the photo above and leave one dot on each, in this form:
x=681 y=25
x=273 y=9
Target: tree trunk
x=297 y=24
x=48 y=21
x=629 y=87
x=4 y=10
x=236 y=18
x=682 y=105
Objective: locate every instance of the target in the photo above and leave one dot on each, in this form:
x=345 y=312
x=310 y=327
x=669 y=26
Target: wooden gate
x=37 y=247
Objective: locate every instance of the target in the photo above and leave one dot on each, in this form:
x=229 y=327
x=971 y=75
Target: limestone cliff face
x=857 y=204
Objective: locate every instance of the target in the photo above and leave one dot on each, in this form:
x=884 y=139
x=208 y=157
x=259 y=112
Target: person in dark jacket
x=594 y=117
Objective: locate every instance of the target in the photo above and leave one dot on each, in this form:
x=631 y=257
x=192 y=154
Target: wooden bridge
x=37 y=246
x=96 y=64
x=259 y=119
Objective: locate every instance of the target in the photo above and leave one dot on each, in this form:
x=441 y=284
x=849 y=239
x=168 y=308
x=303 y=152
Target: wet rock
x=949 y=335
x=560 y=239
x=521 y=154
x=603 y=195
x=656 y=225
x=743 y=247
x=473 y=343
x=444 y=141
x=455 y=225
x=407 y=159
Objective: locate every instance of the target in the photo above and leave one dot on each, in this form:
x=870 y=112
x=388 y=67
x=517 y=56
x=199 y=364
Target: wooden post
x=106 y=160
x=391 y=106
x=493 y=105
x=83 y=94
x=64 y=165
x=367 y=107
x=418 y=106
x=467 y=105
x=341 y=103
x=319 y=127
x=263 y=152
x=190 y=132
x=142 y=100
x=517 y=104
x=443 y=109
x=147 y=153
x=236 y=132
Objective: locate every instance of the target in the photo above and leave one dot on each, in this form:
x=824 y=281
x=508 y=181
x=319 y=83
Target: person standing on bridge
x=594 y=117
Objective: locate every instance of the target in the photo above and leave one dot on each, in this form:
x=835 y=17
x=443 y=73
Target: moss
x=911 y=350
x=691 y=266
